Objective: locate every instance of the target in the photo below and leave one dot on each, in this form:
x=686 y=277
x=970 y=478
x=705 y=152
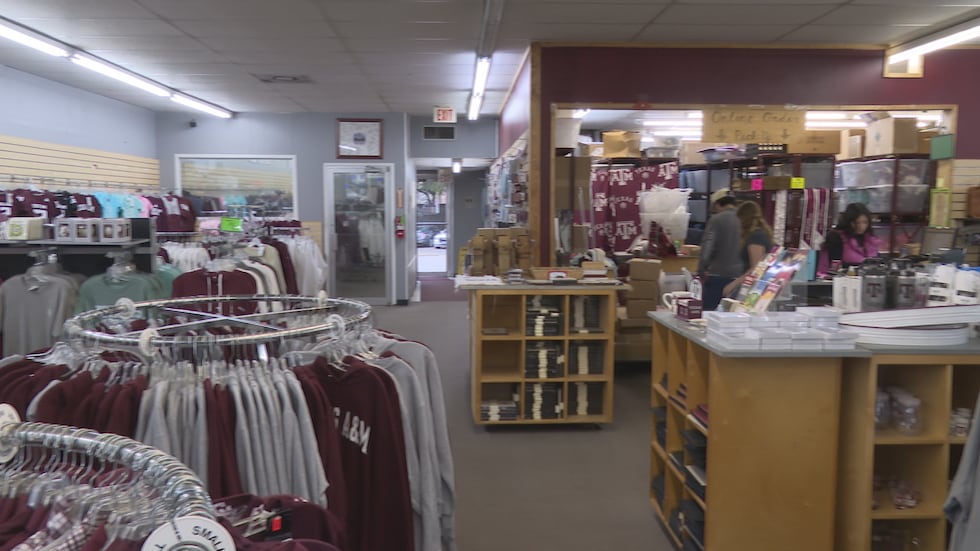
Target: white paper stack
x=730 y=323
x=775 y=339
x=838 y=339
x=820 y=316
x=748 y=340
x=806 y=339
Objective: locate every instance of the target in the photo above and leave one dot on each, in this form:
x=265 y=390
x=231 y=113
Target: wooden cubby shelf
x=553 y=344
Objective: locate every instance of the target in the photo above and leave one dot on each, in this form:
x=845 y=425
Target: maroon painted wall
x=752 y=76
x=515 y=117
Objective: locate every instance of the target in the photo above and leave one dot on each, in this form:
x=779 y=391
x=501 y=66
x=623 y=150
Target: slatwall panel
x=966 y=174
x=52 y=166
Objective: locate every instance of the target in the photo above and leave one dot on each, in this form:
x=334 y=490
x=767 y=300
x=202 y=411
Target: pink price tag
x=756 y=184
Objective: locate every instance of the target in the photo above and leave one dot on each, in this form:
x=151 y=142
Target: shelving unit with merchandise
x=764 y=472
x=879 y=463
x=542 y=354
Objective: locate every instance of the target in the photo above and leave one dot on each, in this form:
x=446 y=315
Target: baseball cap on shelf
x=718 y=194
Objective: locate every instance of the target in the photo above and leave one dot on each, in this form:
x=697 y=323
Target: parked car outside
x=439 y=240
x=423 y=236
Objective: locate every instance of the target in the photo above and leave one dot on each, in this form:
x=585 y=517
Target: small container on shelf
x=854 y=174
x=85 y=230
x=115 y=230
x=906 y=414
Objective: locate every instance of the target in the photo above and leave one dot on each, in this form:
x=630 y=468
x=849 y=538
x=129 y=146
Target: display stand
x=548 y=346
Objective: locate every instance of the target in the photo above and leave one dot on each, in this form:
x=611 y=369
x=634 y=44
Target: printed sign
x=444 y=114
x=747 y=125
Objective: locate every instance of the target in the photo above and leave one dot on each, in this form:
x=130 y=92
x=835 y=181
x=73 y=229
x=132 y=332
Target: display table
x=542 y=353
x=791 y=444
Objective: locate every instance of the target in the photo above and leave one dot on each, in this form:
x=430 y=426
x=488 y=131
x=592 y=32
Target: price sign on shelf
x=444 y=114
x=797 y=183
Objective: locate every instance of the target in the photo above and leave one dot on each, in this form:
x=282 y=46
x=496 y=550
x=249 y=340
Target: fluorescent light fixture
x=457 y=166
x=921 y=124
x=25 y=37
x=119 y=74
x=679 y=132
x=826 y=115
x=473 y=113
x=481 y=75
x=695 y=115
x=647 y=139
x=188 y=101
x=818 y=125
x=672 y=122
x=937 y=41
x=580 y=113
x=690 y=139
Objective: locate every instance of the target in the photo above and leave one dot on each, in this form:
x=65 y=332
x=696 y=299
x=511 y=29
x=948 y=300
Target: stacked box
x=586 y=314
x=499 y=410
x=544 y=317
x=544 y=360
x=585 y=398
x=586 y=358
x=644 y=296
x=544 y=401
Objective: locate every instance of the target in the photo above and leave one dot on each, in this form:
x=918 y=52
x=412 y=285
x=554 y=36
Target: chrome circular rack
x=184 y=322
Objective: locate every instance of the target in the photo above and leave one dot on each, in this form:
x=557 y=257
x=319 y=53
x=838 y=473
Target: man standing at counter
x=721 y=260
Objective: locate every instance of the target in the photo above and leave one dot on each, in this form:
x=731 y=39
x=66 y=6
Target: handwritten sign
x=746 y=125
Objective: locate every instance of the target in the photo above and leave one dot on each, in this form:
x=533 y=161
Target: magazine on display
x=768 y=278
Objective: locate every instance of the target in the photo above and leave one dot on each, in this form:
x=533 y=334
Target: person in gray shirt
x=721 y=251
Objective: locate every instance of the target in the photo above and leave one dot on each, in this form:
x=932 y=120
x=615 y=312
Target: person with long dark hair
x=757 y=240
x=851 y=241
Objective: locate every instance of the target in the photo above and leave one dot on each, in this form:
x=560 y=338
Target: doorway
x=359 y=207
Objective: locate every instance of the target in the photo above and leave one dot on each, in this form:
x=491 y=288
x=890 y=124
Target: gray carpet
x=539 y=488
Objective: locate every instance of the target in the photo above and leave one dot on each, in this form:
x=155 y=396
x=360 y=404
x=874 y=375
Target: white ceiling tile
x=576 y=32
x=70 y=30
x=17 y=9
x=850 y=34
x=407 y=45
x=232 y=27
x=972 y=3
x=766 y=2
x=135 y=60
x=596 y=12
x=891 y=15
x=468 y=30
x=274 y=57
x=221 y=9
x=128 y=43
x=285 y=44
x=361 y=10
x=714 y=33
x=737 y=14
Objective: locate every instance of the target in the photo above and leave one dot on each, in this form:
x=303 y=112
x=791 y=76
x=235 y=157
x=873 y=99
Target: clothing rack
x=180 y=489
x=343 y=314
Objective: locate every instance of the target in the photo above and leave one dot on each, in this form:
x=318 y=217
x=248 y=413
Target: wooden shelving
x=530 y=350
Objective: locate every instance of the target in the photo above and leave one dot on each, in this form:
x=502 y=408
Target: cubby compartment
x=586 y=314
x=658 y=481
x=966 y=387
x=908 y=535
x=501 y=315
x=500 y=402
x=917 y=470
x=544 y=360
x=692 y=519
x=586 y=358
x=544 y=401
x=660 y=428
x=586 y=399
x=544 y=316
x=929 y=385
x=500 y=361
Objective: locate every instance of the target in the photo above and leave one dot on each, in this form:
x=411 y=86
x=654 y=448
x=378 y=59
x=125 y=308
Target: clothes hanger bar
x=162 y=471
x=264 y=315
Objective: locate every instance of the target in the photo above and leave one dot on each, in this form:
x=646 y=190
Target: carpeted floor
x=539 y=488
x=439 y=288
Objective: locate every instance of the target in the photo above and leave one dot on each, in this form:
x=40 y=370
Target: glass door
x=358 y=234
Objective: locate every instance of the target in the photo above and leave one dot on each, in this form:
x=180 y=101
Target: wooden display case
x=542 y=347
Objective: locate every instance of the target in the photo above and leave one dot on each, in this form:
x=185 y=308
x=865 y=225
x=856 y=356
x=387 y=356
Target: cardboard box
x=643 y=290
x=925 y=140
x=643 y=269
x=589 y=150
x=889 y=136
x=572 y=175
x=851 y=143
x=566 y=132
x=636 y=309
x=690 y=152
x=817 y=141
x=621 y=144
x=580 y=238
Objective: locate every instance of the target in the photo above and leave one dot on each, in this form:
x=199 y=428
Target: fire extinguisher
x=399 y=227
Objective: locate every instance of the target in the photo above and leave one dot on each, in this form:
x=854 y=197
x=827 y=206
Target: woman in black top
x=757 y=240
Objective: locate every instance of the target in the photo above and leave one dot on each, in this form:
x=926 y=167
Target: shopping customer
x=850 y=241
x=721 y=260
x=757 y=240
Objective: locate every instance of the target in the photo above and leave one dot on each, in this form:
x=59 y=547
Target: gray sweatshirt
x=963 y=504
x=721 y=248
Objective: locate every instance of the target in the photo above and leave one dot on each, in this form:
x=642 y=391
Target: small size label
x=189 y=532
x=797 y=183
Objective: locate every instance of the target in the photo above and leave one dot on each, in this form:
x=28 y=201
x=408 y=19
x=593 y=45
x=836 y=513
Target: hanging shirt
x=33 y=312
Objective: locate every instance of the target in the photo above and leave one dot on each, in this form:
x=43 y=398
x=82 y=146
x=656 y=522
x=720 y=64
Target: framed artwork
x=359 y=139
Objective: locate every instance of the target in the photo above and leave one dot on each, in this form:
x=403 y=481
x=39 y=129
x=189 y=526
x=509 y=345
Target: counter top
x=697 y=334
x=526 y=287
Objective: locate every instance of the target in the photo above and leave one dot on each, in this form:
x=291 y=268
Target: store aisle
x=539 y=488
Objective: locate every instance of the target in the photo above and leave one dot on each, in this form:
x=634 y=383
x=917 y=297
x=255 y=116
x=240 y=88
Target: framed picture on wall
x=359 y=139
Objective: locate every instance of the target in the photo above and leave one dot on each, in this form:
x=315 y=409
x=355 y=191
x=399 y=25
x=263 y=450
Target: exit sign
x=444 y=114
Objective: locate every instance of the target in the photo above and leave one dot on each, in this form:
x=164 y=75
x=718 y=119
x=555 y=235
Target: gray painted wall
x=311 y=137
x=473 y=139
x=39 y=109
x=467 y=214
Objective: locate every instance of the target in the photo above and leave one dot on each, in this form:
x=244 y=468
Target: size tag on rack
x=8 y=415
x=190 y=533
x=230 y=224
x=797 y=183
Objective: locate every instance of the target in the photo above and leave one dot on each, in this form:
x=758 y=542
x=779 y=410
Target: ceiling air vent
x=284 y=79
x=438 y=132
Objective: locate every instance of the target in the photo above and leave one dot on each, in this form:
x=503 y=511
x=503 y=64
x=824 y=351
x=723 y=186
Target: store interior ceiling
x=408 y=56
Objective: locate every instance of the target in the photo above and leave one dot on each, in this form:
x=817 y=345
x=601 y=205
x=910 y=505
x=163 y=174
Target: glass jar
x=959 y=424
x=906 y=416
x=883 y=410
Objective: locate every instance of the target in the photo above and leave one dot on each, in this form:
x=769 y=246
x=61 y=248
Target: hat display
x=718 y=194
